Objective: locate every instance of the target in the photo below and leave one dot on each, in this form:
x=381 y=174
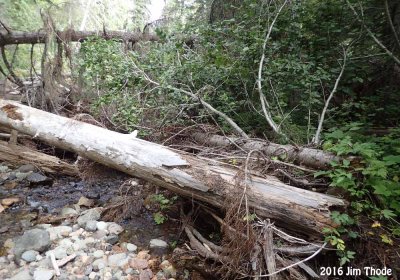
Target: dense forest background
x=308 y=73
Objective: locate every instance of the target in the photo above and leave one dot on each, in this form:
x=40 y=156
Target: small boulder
x=99 y=264
x=26 y=168
x=114 y=228
x=100 y=234
x=43 y=274
x=10 y=201
x=30 y=255
x=10 y=184
x=112 y=239
x=91 y=226
x=144 y=255
x=66 y=211
x=58 y=232
x=38 y=179
x=89 y=215
x=158 y=244
x=131 y=247
x=22 y=275
x=20 y=176
x=138 y=263
x=102 y=225
x=34 y=239
x=83 y=201
x=115 y=259
x=4 y=169
x=168 y=269
x=98 y=254
x=146 y=274
x=60 y=252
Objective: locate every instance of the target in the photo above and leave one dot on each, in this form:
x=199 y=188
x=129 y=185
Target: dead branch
x=298 y=182
x=268 y=249
x=201 y=249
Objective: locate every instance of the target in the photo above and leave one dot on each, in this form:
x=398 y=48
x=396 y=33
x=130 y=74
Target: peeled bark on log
x=17 y=37
x=203 y=179
x=313 y=158
x=18 y=155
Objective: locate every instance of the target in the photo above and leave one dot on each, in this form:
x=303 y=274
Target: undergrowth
x=369 y=174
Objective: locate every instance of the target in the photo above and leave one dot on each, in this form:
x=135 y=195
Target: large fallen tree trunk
x=17 y=37
x=17 y=155
x=313 y=158
x=203 y=179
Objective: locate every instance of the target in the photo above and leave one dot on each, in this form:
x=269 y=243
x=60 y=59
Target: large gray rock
x=22 y=275
x=34 y=239
x=89 y=215
x=43 y=274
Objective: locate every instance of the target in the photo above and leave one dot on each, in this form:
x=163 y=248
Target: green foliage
x=335 y=236
x=376 y=173
x=106 y=73
x=164 y=204
x=371 y=179
x=159 y=218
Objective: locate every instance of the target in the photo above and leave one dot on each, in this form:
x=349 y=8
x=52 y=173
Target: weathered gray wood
x=203 y=179
x=18 y=155
x=314 y=158
x=17 y=37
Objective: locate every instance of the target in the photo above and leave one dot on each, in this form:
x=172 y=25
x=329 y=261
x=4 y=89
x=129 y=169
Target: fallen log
x=309 y=157
x=18 y=155
x=18 y=37
x=207 y=180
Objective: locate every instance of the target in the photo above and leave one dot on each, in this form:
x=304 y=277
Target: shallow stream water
x=43 y=200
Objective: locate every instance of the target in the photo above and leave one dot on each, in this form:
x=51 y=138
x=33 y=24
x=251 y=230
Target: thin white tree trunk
x=263 y=100
x=317 y=138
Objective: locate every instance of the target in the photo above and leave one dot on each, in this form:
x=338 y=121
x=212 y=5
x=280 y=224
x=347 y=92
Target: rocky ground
x=78 y=245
